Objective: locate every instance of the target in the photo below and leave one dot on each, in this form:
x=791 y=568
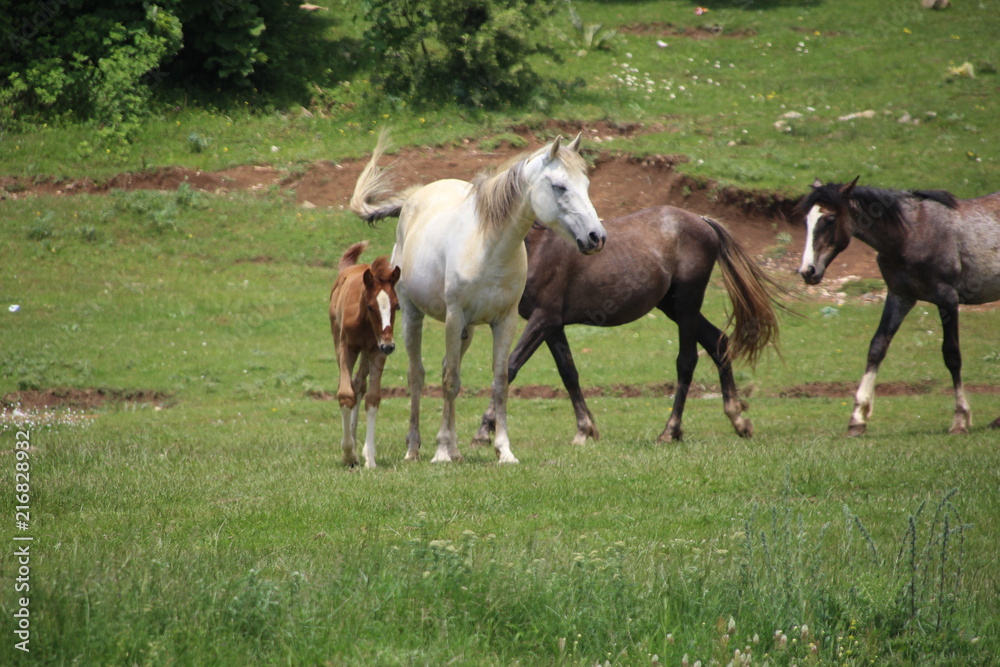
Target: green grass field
x=216 y=525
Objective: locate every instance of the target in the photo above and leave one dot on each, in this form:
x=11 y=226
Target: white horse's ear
x=554 y=151
x=817 y=183
x=575 y=144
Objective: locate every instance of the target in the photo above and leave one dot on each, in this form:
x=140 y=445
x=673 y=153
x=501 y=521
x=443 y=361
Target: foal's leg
x=716 y=344
x=585 y=426
x=895 y=311
x=360 y=386
x=503 y=336
x=346 y=358
x=413 y=331
x=372 y=402
x=451 y=383
x=687 y=359
x=534 y=334
x=953 y=360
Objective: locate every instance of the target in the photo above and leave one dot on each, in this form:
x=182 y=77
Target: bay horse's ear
x=368 y=278
x=575 y=144
x=817 y=183
x=394 y=276
x=846 y=190
x=554 y=151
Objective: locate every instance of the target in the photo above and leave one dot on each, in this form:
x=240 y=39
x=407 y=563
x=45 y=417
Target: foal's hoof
x=481 y=439
x=958 y=430
x=412 y=455
x=746 y=431
x=854 y=430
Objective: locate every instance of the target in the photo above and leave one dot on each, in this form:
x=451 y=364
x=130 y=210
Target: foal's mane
x=499 y=191
x=873 y=205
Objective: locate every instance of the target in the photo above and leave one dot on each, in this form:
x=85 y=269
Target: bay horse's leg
x=372 y=402
x=687 y=360
x=559 y=347
x=534 y=334
x=716 y=345
x=346 y=358
x=953 y=360
x=451 y=383
x=413 y=332
x=503 y=335
x=895 y=311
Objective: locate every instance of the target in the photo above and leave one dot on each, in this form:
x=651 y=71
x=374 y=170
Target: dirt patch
x=81 y=399
x=662 y=29
x=620 y=184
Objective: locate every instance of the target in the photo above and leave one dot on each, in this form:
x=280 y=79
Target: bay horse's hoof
x=747 y=430
x=854 y=430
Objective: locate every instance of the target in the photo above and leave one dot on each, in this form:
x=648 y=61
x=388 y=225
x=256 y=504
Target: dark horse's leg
x=895 y=310
x=716 y=344
x=686 y=317
x=953 y=360
x=559 y=346
x=534 y=334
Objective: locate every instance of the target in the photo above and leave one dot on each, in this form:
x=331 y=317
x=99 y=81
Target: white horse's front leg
x=503 y=335
x=455 y=335
x=413 y=332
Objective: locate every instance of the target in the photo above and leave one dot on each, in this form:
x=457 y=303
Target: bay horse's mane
x=498 y=191
x=872 y=205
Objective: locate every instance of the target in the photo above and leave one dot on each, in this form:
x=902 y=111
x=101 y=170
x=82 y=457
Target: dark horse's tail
x=374 y=184
x=753 y=294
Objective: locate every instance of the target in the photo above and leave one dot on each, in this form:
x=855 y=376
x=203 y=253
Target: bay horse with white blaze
x=460 y=246
x=931 y=247
x=363 y=307
x=660 y=257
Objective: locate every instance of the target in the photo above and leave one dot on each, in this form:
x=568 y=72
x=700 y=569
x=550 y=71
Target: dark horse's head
x=829 y=223
x=835 y=212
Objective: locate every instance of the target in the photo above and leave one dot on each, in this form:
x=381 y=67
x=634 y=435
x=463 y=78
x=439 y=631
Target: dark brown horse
x=659 y=257
x=931 y=247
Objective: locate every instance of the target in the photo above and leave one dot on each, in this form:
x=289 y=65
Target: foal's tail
x=374 y=184
x=753 y=294
x=350 y=256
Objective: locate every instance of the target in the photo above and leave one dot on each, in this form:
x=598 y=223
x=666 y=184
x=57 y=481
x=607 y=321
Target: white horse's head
x=557 y=183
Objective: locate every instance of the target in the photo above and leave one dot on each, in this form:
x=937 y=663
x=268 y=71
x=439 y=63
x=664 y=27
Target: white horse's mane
x=499 y=191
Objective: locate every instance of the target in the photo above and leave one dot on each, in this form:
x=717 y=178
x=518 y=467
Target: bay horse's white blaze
x=460 y=247
x=808 y=257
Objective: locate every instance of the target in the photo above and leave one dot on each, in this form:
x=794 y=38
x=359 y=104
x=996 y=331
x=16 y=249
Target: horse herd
x=525 y=240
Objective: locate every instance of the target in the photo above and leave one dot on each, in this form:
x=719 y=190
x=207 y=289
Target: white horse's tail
x=374 y=184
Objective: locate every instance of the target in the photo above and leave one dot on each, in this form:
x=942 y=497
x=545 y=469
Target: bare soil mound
x=80 y=399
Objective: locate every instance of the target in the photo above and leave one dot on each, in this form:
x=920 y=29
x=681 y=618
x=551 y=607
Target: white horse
x=460 y=247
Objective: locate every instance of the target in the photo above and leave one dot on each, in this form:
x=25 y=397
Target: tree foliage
x=472 y=51
x=101 y=60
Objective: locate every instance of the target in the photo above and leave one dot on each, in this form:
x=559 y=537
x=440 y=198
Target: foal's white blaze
x=807 y=255
x=385 y=309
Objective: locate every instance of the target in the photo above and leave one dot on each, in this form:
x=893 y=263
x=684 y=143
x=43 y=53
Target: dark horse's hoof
x=995 y=423
x=854 y=430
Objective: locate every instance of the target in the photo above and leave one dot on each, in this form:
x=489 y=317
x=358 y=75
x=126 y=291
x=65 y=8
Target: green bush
x=67 y=58
x=473 y=52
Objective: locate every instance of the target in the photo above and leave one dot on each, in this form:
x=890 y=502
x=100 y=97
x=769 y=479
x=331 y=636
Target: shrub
x=473 y=52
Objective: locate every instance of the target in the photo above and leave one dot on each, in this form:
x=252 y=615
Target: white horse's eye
x=559 y=190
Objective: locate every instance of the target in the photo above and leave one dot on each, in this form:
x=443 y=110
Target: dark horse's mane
x=872 y=204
